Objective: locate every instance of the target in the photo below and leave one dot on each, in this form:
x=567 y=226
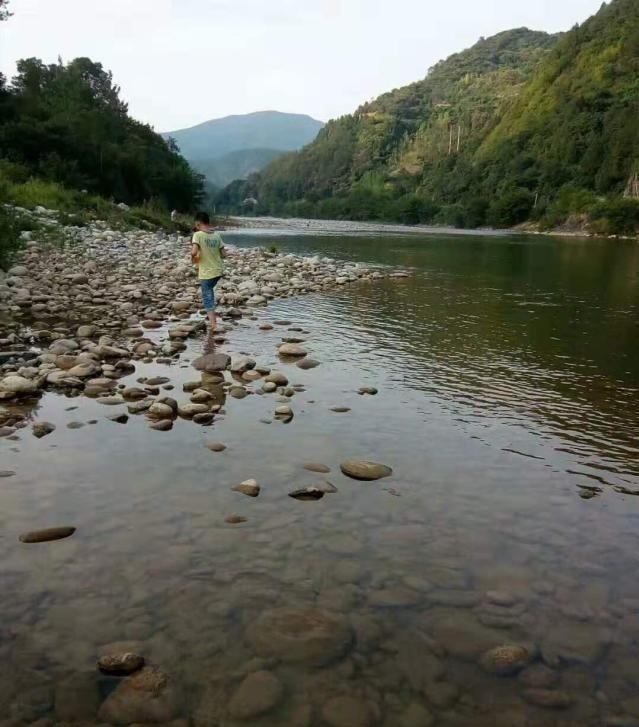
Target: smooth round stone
x=216 y=446
x=248 y=487
x=340 y=409
x=47 y=534
x=269 y=387
x=160 y=410
x=316 y=467
x=238 y=392
x=120 y=664
x=258 y=694
x=204 y=418
x=190 y=410
x=235 y=519
x=308 y=636
x=265 y=327
x=110 y=400
x=370 y=390
x=360 y=469
x=307 y=363
x=277 y=378
x=251 y=375
x=293 y=350
x=157 y=381
x=506 y=660
x=283 y=411
x=164 y=425
x=347 y=711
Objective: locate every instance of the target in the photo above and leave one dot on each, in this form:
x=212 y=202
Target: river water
x=508 y=377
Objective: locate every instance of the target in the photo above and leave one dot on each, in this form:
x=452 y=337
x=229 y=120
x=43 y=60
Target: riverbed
x=507 y=372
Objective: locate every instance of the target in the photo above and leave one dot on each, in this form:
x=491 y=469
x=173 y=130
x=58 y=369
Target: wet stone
x=120 y=664
x=549 y=698
x=235 y=519
x=41 y=429
x=259 y=693
x=248 y=487
x=365 y=470
x=316 y=467
x=309 y=636
x=347 y=711
x=506 y=660
x=48 y=534
x=163 y=425
x=149 y=695
x=216 y=446
x=307 y=493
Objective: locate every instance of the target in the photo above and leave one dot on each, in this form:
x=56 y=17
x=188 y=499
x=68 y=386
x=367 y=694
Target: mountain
x=237 y=164
x=216 y=148
x=522 y=126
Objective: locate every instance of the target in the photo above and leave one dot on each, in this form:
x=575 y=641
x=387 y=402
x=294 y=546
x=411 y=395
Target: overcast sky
x=180 y=62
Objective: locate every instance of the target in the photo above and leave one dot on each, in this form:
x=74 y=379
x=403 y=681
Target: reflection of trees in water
x=537 y=332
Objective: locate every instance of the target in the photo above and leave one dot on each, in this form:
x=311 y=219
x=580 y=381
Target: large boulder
x=18 y=385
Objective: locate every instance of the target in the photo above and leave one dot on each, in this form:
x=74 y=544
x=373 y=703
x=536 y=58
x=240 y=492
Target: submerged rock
x=506 y=660
x=235 y=519
x=309 y=636
x=360 y=469
x=347 y=711
x=47 y=534
x=316 y=467
x=258 y=694
x=149 y=695
x=120 y=664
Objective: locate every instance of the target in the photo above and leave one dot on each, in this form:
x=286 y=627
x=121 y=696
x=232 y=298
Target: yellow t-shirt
x=211 y=264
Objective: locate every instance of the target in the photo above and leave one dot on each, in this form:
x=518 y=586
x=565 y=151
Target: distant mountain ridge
x=234 y=146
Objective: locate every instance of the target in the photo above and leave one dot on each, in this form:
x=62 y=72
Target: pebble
x=6 y=473
x=163 y=425
x=341 y=409
x=370 y=390
x=120 y=664
x=248 y=487
x=41 y=429
x=307 y=363
x=119 y=418
x=293 y=350
x=47 y=535
x=316 y=467
x=360 y=469
x=216 y=446
x=235 y=519
x=506 y=660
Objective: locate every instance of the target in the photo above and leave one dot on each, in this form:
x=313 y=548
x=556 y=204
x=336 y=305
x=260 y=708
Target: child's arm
x=195 y=253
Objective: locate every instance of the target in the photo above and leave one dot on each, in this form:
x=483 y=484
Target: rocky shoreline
x=77 y=318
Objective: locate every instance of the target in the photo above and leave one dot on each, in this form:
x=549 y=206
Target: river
x=508 y=376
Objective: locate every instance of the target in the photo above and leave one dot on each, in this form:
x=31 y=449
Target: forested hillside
x=67 y=124
x=522 y=126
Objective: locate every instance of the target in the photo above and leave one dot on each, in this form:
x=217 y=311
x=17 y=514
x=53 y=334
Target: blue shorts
x=208 y=293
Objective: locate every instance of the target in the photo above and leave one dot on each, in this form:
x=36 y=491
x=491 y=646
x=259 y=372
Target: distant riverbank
x=298 y=225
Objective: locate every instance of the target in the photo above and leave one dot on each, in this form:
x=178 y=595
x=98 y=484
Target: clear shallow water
x=507 y=371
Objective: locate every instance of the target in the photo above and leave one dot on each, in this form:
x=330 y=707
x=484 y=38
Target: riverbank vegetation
x=523 y=127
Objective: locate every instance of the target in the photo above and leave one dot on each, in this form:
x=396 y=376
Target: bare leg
x=212 y=319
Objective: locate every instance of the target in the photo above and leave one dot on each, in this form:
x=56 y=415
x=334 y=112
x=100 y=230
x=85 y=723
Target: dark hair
x=203 y=217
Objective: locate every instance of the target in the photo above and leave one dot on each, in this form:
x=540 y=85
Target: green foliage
x=9 y=237
x=522 y=126
x=615 y=216
x=67 y=126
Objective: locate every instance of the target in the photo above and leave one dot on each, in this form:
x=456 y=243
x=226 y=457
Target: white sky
x=180 y=62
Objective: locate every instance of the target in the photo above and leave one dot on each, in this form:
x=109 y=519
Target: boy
x=207 y=252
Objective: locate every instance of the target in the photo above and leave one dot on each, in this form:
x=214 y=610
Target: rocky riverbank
x=77 y=317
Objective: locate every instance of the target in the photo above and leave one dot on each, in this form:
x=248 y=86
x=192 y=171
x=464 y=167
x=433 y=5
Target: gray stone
x=259 y=693
x=360 y=469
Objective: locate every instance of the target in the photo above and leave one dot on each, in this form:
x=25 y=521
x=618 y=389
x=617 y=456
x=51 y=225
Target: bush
x=9 y=237
x=511 y=208
x=615 y=216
